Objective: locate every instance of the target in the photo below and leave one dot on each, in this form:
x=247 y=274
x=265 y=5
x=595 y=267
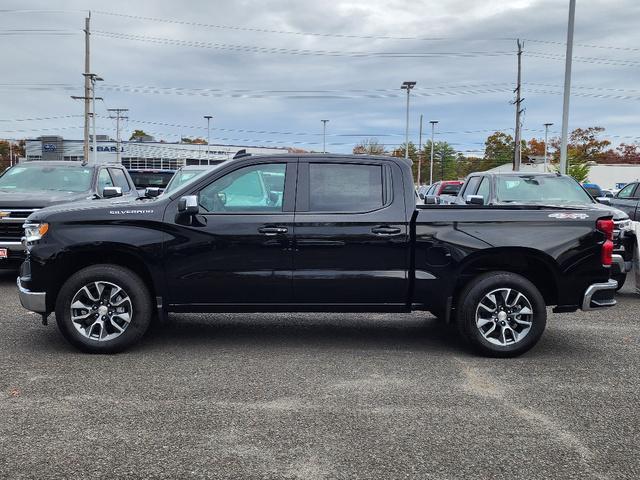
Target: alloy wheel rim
x=504 y=316
x=101 y=311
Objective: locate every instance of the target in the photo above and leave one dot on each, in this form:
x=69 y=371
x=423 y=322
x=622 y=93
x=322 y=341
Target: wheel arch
x=72 y=261
x=534 y=265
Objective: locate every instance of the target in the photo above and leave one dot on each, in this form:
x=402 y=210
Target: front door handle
x=386 y=230
x=271 y=231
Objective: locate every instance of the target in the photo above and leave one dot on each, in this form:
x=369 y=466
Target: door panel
x=239 y=249
x=351 y=257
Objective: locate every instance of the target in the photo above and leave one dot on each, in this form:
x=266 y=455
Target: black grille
x=11 y=231
x=20 y=214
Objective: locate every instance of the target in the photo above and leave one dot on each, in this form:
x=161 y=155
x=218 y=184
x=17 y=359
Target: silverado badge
x=4 y=214
x=580 y=216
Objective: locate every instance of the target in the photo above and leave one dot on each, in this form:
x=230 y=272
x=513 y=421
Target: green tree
x=137 y=134
x=196 y=141
x=499 y=148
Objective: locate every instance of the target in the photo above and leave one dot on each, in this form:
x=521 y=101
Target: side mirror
x=151 y=192
x=475 y=200
x=188 y=205
x=431 y=200
x=421 y=195
x=603 y=200
x=111 y=192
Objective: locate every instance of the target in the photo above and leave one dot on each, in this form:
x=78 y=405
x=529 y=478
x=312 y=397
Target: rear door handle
x=271 y=231
x=386 y=230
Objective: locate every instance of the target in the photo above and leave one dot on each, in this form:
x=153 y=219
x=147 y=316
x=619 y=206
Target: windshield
x=181 y=177
x=150 y=179
x=33 y=178
x=540 y=189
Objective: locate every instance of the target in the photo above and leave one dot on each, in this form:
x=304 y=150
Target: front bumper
x=34 y=301
x=600 y=295
x=16 y=254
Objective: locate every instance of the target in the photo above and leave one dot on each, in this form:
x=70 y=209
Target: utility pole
x=517 y=156
x=324 y=135
x=208 y=117
x=87 y=84
x=433 y=126
x=407 y=86
x=92 y=78
x=567 y=88
x=419 y=153
x=118 y=117
x=443 y=156
x=546 y=138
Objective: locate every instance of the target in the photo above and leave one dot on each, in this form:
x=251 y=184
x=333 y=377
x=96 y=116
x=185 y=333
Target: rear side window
x=335 y=187
x=120 y=179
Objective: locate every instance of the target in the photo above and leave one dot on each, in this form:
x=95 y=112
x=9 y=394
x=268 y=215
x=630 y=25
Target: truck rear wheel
x=501 y=314
x=103 y=309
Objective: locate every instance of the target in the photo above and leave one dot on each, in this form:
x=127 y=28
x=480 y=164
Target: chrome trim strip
x=597 y=287
x=618 y=261
x=34 y=301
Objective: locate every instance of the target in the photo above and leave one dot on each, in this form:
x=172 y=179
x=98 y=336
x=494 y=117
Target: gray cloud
x=465 y=26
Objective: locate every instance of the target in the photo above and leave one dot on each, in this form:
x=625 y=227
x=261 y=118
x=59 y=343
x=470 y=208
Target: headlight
x=35 y=231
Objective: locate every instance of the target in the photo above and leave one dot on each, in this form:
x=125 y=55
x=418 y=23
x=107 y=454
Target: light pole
x=419 y=153
x=407 y=86
x=567 y=88
x=208 y=117
x=546 y=137
x=433 y=127
x=324 y=135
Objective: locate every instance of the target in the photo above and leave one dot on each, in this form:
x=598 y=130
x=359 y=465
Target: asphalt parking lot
x=308 y=396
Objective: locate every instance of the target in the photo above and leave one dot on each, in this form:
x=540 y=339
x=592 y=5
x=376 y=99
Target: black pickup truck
x=312 y=233
x=30 y=186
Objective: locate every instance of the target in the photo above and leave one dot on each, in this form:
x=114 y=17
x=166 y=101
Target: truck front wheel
x=103 y=309
x=502 y=314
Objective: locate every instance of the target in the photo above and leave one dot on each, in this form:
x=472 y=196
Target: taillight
x=606 y=227
x=606 y=253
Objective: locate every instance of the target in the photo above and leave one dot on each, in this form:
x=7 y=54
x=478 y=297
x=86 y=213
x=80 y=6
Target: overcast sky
x=281 y=66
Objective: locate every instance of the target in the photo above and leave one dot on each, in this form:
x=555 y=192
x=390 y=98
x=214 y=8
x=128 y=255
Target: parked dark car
x=149 y=178
x=628 y=200
x=313 y=233
x=30 y=186
x=487 y=188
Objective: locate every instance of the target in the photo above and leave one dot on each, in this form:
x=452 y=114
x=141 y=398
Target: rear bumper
x=620 y=264
x=34 y=301
x=600 y=295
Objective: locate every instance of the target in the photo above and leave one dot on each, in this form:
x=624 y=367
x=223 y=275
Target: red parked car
x=445 y=191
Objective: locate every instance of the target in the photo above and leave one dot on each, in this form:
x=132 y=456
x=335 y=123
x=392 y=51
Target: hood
x=99 y=204
x=40 y=199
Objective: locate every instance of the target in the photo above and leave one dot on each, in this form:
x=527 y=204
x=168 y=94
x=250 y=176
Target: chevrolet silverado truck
x=30 y=186
x=531 y=188
x=327 y=233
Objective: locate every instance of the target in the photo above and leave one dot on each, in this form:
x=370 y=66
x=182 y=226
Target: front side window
x=104 y=180
x=627 y=192
x=120 y=179
x=335 y=187
x=471 y=187
x=483 y=189
x=254 y=189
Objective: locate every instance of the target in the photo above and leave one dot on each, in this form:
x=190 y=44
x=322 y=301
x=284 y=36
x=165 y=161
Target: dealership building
x=139 y=154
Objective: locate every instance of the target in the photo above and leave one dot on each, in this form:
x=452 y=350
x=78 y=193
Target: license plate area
x=4 y=253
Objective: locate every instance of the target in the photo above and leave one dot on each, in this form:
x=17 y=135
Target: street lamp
x=407 y=86
x=546 y=136
x=324 y=135
x=433 y=127
x=208 y=117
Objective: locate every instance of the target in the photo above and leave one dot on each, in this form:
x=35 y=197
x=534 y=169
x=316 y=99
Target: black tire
x=469 y=303
x=139 y=300
x=620 y=278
